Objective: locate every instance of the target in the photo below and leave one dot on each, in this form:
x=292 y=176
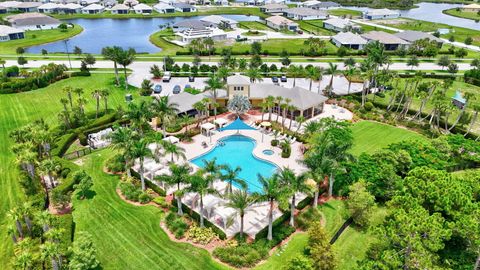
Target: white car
x=166 y=76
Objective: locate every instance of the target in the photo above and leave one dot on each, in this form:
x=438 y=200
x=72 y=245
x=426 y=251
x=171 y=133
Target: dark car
x=275 y=79
x=283 y=78
x=191 y=79
x=157 y=89
x=176 y=89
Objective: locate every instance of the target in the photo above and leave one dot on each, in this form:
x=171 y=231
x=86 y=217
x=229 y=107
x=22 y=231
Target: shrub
x=83 y=139
x=281 y=230
x=63 y=143
x=68 y=181
x=244 y=255
x=116 y=163
x=274 y=142
x=161 y=202
x=144 y=198
x=368 y=106
x=307 y=217
x=130 y=191
x=201 y=235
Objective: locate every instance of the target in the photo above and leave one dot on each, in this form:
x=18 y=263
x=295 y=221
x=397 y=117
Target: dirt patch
x=60 y=211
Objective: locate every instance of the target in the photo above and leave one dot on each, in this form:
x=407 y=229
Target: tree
x=413 y=62
x=272 y=192
x=44 y=52
x=349 y=62
x=295 y=72
x=22 y=61
x=89 y=60
x=285 y=60
x=51 y=250
x=20 y=50
x=77 y=50
x=201 y=183
x=125 y=58
x=214 y=83
x=84 y=184
x=319 y=248
x=122 y=139
x=239 y=104
x=140 y=150
x=180 y=175
x=104 y=93
x=360 y=203
x=300 y=262
x=270 y=102
x=230 y=176
x=475 y=63
x=331 y=70
x=444 y=61
x=460 y=53
x=254 y=75
x=240 y=200
x=111 y=53
x=295 y=184
x=452 y=68
x=173 y=149
x=468 y=40
x=349 y=73
x=256 y=48
x=96 y=94
x=83 y=252
x=165 y=110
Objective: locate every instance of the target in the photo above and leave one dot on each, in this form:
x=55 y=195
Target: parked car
x=166 y=77
x=176 y=89
x=157 y=89
x=283 y=78
x=191 y=79
x=187 y=86
x=275 y=79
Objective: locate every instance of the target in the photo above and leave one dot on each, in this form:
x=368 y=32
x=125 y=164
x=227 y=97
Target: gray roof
x=338 y=22
x=381 y=12
x=28 y=5
x=182 y=5
x=274 y=6
x=326 y=5
x=194 y=24
x=34 y=18
x=6 y=30
x=120 y=7
x=349 y=38
x=185 y=101
x=303 y=11
x=238 y=79
x=300 y=97
x=412 y=36
x=384 y=37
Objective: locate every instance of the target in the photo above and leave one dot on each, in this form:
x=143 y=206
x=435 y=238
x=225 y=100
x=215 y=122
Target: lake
x=126 y=33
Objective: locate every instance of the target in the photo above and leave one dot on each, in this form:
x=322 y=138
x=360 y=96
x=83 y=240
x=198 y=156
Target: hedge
x=155 y=188
x=281 y=230
x=68 y=182
x=194 y=215
x=63 y=143
x=66 y=222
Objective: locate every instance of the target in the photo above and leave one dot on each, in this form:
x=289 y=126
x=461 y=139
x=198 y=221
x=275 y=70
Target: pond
x=432 y=12
x=126 y=33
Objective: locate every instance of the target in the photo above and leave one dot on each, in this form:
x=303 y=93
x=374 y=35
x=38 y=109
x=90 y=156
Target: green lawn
x=17 y=110
x=462 y=14
x=39 y=37
x=345 y=12
x=371 y=136
x=315 y=27
x=255 y=26
x=160 y=39
x=127 y=236
x=293 y=46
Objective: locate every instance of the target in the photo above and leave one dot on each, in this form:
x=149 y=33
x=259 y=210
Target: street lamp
x=68 y=54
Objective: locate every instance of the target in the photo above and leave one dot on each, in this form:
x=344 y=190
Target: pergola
x=171 y=139
x=207 y=127
x=220 y=122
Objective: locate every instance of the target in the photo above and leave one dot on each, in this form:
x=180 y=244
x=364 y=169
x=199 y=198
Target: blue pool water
x=237 y=151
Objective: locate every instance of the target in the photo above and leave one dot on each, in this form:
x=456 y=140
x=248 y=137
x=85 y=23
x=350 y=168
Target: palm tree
x=270 y=102
x=51 y=250
x=180 y=174
x=291 y=109
x=348 y=73
x=278 y=101
x=213 y=84
x=295 y=185
x=125 y=58
x=254 y=74
x=104 y=94
x=122 y=139
x=24 y=260
x=272 y=191
x=200 y=108
x=222 y=73
x=240 y=200
x=295 y=72
x=44 y=219
x=174 y=150
x=468 y=98
x=26 y=212
x=111 y=53
x=331 y=70
x=284 y=106
x=139 y=115
x=15 y=216
x=300 y=120
x=68 y=90
x=140 y=150
x=96 y=94
x=78 y=91
x=201 y=183
x=165 y=110
x=230 y=176
x=313 y=73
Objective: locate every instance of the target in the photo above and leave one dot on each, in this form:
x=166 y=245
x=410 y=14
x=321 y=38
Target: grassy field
x=160 y=39
x=345 y=12
x=462 y=14
x=17 y=110
x=371 y=136
x=275 y=46
x=255 y=26
x=127 y=236
x=314 y=27
x=39 y=37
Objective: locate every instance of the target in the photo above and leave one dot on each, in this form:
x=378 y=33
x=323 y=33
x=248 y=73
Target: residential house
x=109 y=3
x=471 y=8
x=3 y=10
x=221 y=3
x=32 y=21
x=412 y=36
x=88 y=2
x=273 y=8
x=71 y=8
x=220 y=22
x=378 y=14
x=181 y=7
x=10 y=6
x=340 y=25
x=314 y=4
x=28 y=7
x=164 y=8
x=188 y=30
x=349 y=40
x=9 y=33
x=280 y=23
x=93 y=9
x=253 y=2
x=50 y=8
x=302 y=13
x=143 y=9
x=389 y=41
x=120 y=9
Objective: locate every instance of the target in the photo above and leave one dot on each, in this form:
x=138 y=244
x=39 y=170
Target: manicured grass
x=344 y=12
x=17 y=110
x=255 y=26
x=281 y=257
x=127 y=236
x=462 y=14
x=39 y=37
x=371 y=136
x=315 y=27
x=160 y=39
x=275 y=46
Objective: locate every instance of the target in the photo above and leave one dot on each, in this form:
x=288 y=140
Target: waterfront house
x=3 y=10
x=28 y=7
x=471 y=8
x=182 y=7
x=71 y=8
x=32 y=21
x=9 y=33
x=273 y=8
x=220 y=2
x=164 y=8
x=302 y=13
x=314 y=4
x=120 y=9
x=389 y=41
x=340 y=25
x=378 y=14
x=188 y=30
x=349 y=40
x=50 y=8
x=412 y=36
x=280 y=23
x=143 y=9
x=220 y=22
x=88 y=2
x=93 y=9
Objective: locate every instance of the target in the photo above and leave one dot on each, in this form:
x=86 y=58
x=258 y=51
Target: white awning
x=171 y=139
x=208 y=126
x=220 y=121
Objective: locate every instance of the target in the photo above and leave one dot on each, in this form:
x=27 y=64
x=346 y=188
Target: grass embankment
x=255 y=26
x=161 y=40
x=128 y=236
x=17 y=110
x=315 y=27
x=345 y=12
x=275 y=46
x=462 y=14
x=38 y=37
x=371 y=136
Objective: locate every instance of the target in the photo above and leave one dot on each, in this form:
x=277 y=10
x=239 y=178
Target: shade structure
x=265 y=124
x=220 y=122
x=238 y=124
x=171 y=139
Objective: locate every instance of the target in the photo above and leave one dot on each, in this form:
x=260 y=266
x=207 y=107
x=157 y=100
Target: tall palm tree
x=180 y=174
x=96 y=94
x=140 y=150
x=51 y=250
x=122 y=139
x=68 y=90
x=104 y=93
x=331 y=70
x=26 y=212
x=44 y=219
x=174 y=150
x=348 y=73
x=270 y=102
x=111 y=53
x=165 y=110
x=295 y=72
x=125 y=58
x=213 y=83
x=295 y=184
x=278 y=101
x=254 y=74
x=78 y=91
x=291 y=109
x=201 y=183
x=230 y=176
x=200 y=108
x=139 y=114
x=284 y=106
x=313 y=74
x=15 y=216
x=469 y=97
x=240 y=200
x=212 y=167
x=272 y=191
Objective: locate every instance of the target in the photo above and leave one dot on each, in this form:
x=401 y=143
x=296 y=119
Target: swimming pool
x=237 y=151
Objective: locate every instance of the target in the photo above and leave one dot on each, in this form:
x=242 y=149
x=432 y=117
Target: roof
x=163 y=6
x=193 y=24
x=28 y=5
x=279 y=20
x=72 y=6
x=412 y=36
x=384 y=37
x=310 y=3
x=472 y=6
x=6 y=30
x=94 y=7
x=349 y=38
x=50 y=6
x=238 y=79
x=120 y=7
x=274 y=6
x=216 y=19
x=9 y=4
x=318 y=4
x=337 y=22
x=185 y=101
x=303 y=11
x=142 y=6
x=182 y=5
x=33 y=18
x=300 y=97
x=381 y=12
